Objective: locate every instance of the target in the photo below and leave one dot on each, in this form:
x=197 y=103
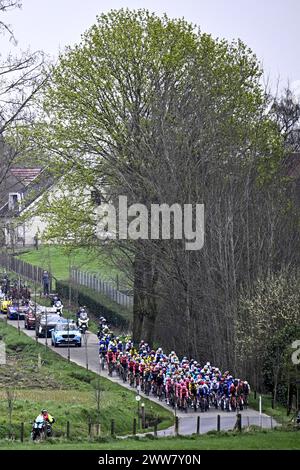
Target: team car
x=29 y=319
x=45 y=322
x=65 y=333
x=4 y=305
x=14 y=312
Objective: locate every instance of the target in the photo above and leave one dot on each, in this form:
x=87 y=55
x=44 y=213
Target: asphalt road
x=87 y=356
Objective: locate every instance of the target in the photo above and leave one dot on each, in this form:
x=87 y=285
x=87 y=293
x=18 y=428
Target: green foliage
x=266 y=311
x=99 y=305
x=108 y=82
x=278 y=354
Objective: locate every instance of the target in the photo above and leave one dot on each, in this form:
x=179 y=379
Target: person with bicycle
x=124 y=366
x=240 y=394
x=168 y=387
x=111 y=360
x=102 y=352
x=246 y=391
x=131 y=370
x=160 y=384
x=203 y=395
x=183 y=395
x=193 y=392
x=147 y=378
x=233 y=394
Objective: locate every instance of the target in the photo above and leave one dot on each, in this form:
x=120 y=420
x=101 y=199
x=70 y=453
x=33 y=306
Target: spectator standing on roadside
x=46 y=281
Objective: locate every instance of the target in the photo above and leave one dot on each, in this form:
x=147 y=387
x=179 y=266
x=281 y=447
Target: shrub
x=99 y=305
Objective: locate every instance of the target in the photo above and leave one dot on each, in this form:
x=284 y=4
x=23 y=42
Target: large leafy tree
x=153 y=109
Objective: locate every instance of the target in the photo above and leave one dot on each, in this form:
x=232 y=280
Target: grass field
x=253 y=440
x=55 y=259
x=39 y=378
x=279 y=412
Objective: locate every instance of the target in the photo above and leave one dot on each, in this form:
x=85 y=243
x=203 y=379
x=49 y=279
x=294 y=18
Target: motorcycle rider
x=43 y=418
x=102 y=324
x=81 y=314
x=48 y=417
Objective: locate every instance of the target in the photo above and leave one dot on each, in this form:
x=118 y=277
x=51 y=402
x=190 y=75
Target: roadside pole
x=86 y=351
x=68 y=340
x=260 y=411
x=36 y=336
x=70 y=282
x=138 y=399
x=46 y=332
x=98 y=398
x=19 y=292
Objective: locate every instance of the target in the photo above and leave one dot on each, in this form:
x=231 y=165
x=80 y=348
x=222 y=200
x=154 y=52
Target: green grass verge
x=55 y=259
x=279 y=412
x=252 y=440
x=40 y=378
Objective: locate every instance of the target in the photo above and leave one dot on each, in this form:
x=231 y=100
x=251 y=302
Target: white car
x=65 y=333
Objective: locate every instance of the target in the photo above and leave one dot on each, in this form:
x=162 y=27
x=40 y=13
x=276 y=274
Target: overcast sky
x=269 y=27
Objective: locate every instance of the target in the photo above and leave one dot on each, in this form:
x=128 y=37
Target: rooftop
x=25 y=175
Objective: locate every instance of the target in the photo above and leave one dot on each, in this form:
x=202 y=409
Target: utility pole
x=46 y=332
x=68 y=340
x=86 y=351
x=36 y=336
x=19 y=292
x=70 y=283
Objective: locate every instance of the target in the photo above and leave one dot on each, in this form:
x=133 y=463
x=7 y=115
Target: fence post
x=90 y=428
x=254 y=394
x=155 y=428
x=112 y=428
x=68 y=429
x=239 y=422
x=22 y=432
x=198 y=424
x=134 y=426
x=176 y=426
x=218 y=423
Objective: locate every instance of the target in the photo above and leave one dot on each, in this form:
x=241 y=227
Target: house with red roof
x=19 y=189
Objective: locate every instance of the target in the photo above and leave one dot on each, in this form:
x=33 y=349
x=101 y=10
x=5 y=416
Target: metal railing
x=97 y=284
x=11 y=263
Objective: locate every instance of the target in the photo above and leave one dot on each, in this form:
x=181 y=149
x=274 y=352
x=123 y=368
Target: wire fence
x=27 y=270
x=82 y=278
x=201 y=424
x=97 y=284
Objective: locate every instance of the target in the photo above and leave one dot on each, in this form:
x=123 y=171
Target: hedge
x=98 y=304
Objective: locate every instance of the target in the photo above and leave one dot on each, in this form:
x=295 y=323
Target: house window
x=13 y=201
x=96 y=197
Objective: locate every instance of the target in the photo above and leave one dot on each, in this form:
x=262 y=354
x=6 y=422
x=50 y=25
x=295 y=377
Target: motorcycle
x=83 y=322
x=40 y=430
x=59 y=306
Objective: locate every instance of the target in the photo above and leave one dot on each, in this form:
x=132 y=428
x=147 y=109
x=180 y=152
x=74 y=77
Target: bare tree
x=20 y=79
x=5 y=6
x=286 y=113
x=11 y=398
